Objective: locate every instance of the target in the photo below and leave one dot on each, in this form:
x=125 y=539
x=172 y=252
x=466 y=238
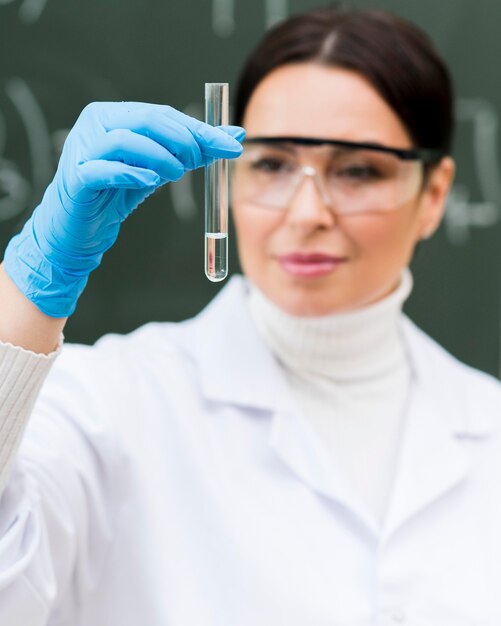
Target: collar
x=345 y=348
x=448 y=401
x=236 y=367
x=464 y=397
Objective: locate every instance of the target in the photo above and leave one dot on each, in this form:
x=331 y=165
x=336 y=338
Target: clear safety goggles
x=351 y=177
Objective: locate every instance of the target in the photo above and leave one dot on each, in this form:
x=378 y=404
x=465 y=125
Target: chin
x=304 y=305
x=298 y=298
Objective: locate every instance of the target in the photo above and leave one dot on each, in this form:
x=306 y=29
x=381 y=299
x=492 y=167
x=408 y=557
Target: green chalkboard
x=58 y=55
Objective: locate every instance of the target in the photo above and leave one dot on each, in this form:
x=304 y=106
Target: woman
x=299 y=453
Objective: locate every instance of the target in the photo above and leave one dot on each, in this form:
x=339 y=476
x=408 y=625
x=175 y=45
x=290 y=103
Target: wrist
x=22 y=323
x=50 y=288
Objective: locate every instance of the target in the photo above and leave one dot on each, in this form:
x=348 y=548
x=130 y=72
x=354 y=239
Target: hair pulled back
x=395 y=56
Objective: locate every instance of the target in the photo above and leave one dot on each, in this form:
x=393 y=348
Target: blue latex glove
x=115 y=156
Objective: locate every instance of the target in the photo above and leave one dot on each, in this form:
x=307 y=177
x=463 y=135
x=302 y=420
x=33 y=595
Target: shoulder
x=448 y=375
x=155 y=344
x=115 y=359
x=99 y=393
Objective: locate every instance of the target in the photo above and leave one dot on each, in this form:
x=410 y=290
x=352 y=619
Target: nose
x=310 y=208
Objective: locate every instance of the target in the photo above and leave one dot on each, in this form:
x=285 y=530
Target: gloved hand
x=115 y=156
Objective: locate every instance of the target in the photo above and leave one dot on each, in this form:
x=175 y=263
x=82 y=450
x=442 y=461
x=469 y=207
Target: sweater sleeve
x=22 y=374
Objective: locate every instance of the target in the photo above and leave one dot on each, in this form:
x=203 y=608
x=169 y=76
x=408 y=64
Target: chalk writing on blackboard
x=17 y=192
x=463 y=212
x=29 y=10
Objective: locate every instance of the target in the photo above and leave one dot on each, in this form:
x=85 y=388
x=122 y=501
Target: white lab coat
x=167 y=479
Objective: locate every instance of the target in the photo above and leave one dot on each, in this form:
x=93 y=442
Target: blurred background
x=58 y=55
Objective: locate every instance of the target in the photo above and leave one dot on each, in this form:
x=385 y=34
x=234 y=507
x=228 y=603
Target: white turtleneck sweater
x=350 y=374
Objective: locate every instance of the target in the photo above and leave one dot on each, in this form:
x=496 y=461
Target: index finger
x=188 y=139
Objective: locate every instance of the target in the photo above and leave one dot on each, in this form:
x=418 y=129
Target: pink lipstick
x=309 y=265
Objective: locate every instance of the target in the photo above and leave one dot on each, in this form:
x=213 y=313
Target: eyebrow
x=428 y=155
x=279 y=143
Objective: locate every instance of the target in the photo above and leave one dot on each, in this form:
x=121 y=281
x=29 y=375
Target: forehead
x=320 y=101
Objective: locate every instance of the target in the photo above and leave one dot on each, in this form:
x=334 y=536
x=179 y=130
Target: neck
x=342 y=347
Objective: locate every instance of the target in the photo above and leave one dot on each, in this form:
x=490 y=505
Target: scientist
x=298 y=454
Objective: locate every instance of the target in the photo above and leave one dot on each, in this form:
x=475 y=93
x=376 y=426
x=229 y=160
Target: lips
x=309 y=265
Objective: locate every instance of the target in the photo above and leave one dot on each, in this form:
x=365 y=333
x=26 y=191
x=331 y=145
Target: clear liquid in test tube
x=216 y=189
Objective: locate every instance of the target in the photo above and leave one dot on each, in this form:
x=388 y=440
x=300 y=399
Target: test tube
x=216 y=190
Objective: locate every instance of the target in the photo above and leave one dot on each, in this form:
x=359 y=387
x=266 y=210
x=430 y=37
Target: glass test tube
x=216 y=190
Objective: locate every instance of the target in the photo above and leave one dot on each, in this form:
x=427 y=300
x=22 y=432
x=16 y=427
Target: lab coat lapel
x=299 y=448
x=432 y=460
x=236 y=367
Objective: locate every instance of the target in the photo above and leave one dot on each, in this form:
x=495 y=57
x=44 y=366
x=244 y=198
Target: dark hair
x=395 y=56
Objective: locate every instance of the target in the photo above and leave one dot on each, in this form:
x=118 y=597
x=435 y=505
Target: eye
x=359 y=172
x=270 y=165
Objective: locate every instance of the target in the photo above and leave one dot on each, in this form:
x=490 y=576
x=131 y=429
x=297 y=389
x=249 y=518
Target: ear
x=434 y=197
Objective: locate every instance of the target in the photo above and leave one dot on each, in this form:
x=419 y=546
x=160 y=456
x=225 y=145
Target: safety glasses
x=351 y=177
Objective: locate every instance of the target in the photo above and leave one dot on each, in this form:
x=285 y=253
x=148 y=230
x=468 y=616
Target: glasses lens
x=266 y=175
x=359 y=180
x=353 y=180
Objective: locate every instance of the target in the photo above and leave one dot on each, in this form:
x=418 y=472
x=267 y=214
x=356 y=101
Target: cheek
x=254 y=232
x=385 y=236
